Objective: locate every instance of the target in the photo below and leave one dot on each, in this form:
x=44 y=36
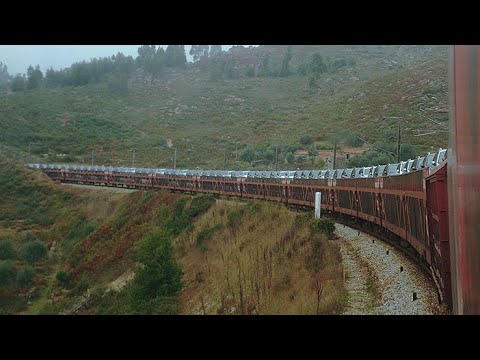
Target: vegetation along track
x=382 y=280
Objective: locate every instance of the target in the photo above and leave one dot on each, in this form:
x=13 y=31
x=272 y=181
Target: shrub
x=8 y=272
x=254 y=207
x=306 y=139
x=203 y=236
x=6 y=249
x=34 y=251
x=200 y=204
x=324 y=226
x=159 y=277
x=206 y=234
x=25 y=277
x=28 y=236
x=62 y=278
x=302 y=219
x=234 y=217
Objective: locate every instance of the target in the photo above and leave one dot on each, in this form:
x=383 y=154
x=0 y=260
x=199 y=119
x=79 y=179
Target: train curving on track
x=428 y=204
x=406 y=200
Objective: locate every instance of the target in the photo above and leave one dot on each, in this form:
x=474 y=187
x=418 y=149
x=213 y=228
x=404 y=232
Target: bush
x=34 y=251
x=206 y=234
x=25 y=277
x=200 y=204
x=62 y=278
x=203 y=236
x=6 y=249
x=234 y=217
x=159 y=276
x=324 y=226
x=28 y=236
x=302 y=219
x=306 y=139
x=8 y=272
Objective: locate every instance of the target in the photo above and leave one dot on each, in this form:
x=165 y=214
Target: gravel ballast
x=375 y=282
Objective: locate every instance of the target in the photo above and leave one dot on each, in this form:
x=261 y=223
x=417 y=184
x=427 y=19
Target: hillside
x=40 y=224
x=73 y=250
x=201 y=116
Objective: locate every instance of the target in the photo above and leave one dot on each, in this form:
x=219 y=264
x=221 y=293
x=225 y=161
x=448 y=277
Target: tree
x=25 y=277
x=8 y=272
x=199 y=52
x=306 y=139
x=175 y=56
x=34 y=251
x=351 y=138
x=159 y=276
x=289 y=158
x=158 y=63
x=4 y=76
x=51 y=78
x=124 y=64
x=194 y=52
x=146 y=58
x=285 y=69
x=247 y=154
x=215 y=50
x=79 y=74
x=6 y=249
x=317 y=66
x=35 y=77
x=230 y=69
x=63 y=278
x=265 y=66
x=407 y=152
x=145 y=55
x=18 y=83
x=181 y=57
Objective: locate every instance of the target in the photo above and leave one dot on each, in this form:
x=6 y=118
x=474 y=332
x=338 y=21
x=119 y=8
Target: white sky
x=19 y=57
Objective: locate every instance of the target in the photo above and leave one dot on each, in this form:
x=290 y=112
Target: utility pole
x=225 y=159
x=398 y=136
x=398 y=143
x=335 y=155
x=175 y=159
x=133 y=158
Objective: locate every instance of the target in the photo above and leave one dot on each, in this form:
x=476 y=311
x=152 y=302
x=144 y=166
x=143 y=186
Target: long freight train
x=408 y=201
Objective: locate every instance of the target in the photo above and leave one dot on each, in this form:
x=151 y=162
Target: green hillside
x=201 y=114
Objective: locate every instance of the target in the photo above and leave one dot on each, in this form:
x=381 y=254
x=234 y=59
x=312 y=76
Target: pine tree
x=35 y=77
x=285 y=70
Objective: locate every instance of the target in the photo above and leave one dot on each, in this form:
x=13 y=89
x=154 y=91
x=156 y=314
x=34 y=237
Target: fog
x=19 y=57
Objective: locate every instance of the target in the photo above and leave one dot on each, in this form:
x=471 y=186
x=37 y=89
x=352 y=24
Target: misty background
x=19 y=57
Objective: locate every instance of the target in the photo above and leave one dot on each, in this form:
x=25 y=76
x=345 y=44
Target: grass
x=257 y=265
x=372 y=283
x=33 y=207
x=203 y=117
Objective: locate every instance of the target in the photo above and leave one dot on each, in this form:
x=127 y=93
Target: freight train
x=407 y=201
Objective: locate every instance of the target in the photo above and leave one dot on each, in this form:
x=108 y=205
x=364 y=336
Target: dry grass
x=257 y=265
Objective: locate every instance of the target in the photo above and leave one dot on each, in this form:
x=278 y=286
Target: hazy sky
x=19 y=57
